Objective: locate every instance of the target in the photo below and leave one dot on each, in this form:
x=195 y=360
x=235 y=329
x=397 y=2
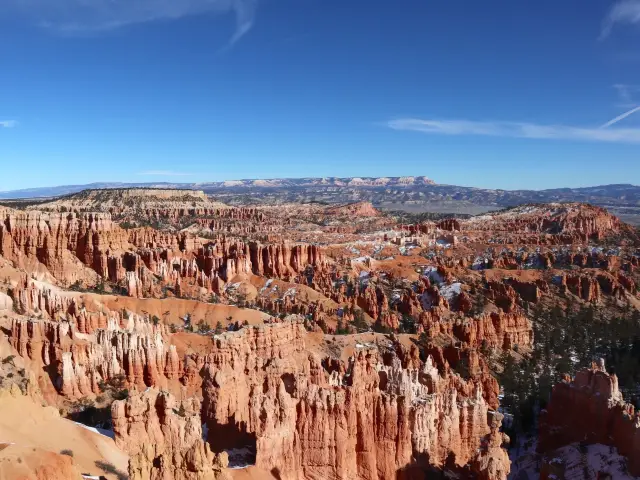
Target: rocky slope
x=565 y=223
x=37 y=443
x=589 y=408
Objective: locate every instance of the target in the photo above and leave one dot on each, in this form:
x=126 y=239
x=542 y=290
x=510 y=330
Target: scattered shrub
x=8 y=359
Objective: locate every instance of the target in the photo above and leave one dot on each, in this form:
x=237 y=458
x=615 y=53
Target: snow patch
x=361 y=259
x=100 y=431
x=266 y=285
x=432 y=274
x=451 y=291
x=572 y=462
x=290 y=293
x=406 y=250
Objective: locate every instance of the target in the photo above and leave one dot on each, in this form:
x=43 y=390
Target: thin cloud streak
x=8 y=124
x=164 y=173
x=245 y=17
x=87 y=16
x=517 y=130
x=621 y=117
x=624 y=12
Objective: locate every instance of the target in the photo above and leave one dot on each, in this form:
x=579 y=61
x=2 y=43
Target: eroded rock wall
x=163 y=438
x=590 y=408
x=368 y=420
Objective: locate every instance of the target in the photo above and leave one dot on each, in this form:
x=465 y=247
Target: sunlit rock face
x=369 y=419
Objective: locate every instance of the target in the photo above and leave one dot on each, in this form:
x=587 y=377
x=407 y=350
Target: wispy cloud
x=623 y=12
x=621 y=117
x=81 y=16
x=8 y=123
x=245 y=16
x=164 y=173
x=517 y=130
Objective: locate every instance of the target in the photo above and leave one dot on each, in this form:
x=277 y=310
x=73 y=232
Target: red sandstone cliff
x=164 y=438
x=590 y=408
x=67 y=243
x=50 y=237
x=80 y=362
x=555 y=223
x=368 y=422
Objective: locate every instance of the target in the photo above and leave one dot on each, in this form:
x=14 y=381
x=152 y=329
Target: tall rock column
x=164 y=438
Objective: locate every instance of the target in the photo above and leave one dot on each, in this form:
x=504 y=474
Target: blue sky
x=491 y=94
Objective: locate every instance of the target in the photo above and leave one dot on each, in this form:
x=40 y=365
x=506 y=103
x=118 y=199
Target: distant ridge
x=408 y=194
x=45 y=192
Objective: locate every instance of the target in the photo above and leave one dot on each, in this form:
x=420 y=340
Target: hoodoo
x=303 y=341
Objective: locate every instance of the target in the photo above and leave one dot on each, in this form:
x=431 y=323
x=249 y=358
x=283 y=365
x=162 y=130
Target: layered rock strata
x=79 y=363
x=369 y=419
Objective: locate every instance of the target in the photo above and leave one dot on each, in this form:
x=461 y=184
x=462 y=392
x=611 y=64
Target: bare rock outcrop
x=78 y=362
x=283 y=260
x=359 y=209
x=551 y=224
x=590 y=408
x=163 y=438
x=56 y=239
x=498 y=329
x=366 y=420
x=6 y=302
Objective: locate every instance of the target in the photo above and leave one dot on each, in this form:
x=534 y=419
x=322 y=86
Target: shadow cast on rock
x=420 y=469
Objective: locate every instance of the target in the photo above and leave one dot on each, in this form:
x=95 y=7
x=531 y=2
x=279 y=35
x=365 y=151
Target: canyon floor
x=168 y=334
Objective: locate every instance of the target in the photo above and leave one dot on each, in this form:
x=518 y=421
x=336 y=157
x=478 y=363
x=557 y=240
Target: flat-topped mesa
x=327 y=181
x=115 y=200
x=123 y=194
x=135 y=350
x=139 y=204
x=367 y=419
x=163 y=438
x=590 y=408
